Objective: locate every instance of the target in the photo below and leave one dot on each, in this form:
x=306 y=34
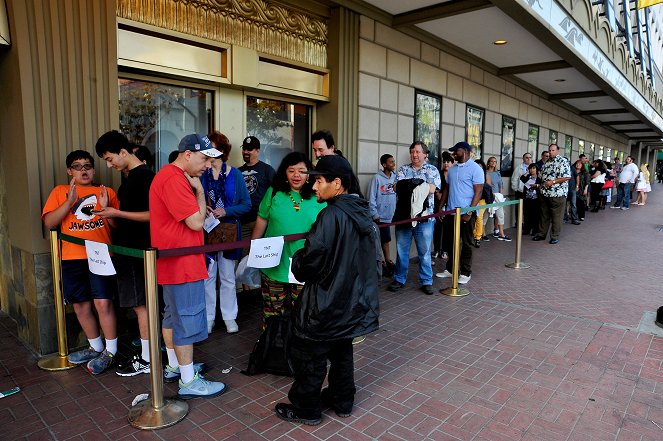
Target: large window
x=281 y=127
x=158 y=115
x=427 y=115
x=508 y=140
x=474 y=130
x=581 y=147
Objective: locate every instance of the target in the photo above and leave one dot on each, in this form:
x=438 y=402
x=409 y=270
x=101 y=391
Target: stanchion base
x=144 y=416
x=455 y=292
x=55 y=363
x=517 y=265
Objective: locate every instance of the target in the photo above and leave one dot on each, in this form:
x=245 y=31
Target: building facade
x=379 y=74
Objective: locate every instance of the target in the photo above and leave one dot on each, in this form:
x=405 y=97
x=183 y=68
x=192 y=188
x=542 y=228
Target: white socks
x=111 y=346
x=97 y=344
x=172 y=358
x=145 y=350
x=186 y=373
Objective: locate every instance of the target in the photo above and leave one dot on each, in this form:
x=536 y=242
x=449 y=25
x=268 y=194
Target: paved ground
x=548 y=353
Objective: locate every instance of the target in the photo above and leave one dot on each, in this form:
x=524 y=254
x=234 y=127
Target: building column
x=59 y=78
x=341 y=114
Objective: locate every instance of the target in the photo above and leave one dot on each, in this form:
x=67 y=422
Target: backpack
x=487 y=194
x=271 y=353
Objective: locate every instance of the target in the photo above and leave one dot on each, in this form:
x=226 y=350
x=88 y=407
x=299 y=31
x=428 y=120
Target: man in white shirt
x=516 y=184
x=626 y=180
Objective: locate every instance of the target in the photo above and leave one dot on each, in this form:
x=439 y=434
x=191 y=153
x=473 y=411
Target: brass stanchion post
x=519 y=240
x=158 y=412
x=454 y=291
x=57 y=362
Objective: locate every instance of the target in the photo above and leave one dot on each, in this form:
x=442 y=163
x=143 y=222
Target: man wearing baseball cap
x=177 y=213
x=339 y=301
x=466 y=179
x=257 y=177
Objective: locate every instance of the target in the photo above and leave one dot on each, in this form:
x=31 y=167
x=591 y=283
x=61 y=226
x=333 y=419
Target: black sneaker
x=428 y=290
x=504 y=238
x=287 y=412
x=396 y=286
x=477 y=243
x=133 y=367
x=485 y=239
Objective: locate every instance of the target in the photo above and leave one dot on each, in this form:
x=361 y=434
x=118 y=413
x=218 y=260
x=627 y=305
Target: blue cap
x=198 y=143
x=461 y=145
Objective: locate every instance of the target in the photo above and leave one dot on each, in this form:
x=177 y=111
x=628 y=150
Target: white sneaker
x=231 y=326
x=464 y=279
x=443 y=275
x=210 y=326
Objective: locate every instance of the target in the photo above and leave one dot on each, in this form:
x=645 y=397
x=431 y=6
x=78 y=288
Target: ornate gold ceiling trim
x=255 y=24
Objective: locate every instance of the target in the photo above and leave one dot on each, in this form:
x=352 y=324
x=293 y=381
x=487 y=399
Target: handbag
x=608 y=184
x=271 y=353
x=222 y=233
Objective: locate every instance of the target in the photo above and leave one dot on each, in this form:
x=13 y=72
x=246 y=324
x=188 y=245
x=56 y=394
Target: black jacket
x=338 y=265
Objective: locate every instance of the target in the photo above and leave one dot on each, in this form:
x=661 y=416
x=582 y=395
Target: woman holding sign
x=289 y=207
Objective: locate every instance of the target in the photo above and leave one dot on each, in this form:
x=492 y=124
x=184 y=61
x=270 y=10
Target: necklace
x=295 y=204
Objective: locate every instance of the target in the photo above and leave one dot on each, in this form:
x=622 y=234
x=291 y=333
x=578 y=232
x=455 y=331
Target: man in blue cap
x=466 y=179
x=177 y=213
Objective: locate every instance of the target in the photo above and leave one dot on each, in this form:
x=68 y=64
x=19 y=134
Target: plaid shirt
x=555 y=168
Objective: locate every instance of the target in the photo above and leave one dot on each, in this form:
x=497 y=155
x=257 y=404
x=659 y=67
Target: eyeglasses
x=528 y=157
x=79 y=167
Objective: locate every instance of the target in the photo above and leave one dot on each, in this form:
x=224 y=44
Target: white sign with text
x=265 y=252
x=98 y=258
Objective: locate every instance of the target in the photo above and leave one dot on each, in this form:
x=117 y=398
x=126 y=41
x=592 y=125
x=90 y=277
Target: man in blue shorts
x=177 y=213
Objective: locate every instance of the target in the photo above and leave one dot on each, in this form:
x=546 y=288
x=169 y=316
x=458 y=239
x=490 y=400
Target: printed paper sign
x=210 y=223
x=98 y=258
x=291 y=276
x=265 y=252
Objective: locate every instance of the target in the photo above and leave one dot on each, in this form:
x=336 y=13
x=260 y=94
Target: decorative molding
x=255 y=24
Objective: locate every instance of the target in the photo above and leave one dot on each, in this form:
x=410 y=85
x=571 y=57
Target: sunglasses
x=79 y=167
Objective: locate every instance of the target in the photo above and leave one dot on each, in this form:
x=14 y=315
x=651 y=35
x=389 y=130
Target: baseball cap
x=332 y=165
x=461 y=145
x=198 y=143
x=250 y=143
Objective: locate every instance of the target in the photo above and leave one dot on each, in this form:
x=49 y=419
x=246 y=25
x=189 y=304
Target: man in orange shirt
x=73 y=208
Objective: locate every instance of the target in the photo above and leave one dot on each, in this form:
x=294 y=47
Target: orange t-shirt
x=80 y=221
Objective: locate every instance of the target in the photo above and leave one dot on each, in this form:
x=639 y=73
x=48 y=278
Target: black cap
x=332 y=165
x=250 y=143
x=461 y=145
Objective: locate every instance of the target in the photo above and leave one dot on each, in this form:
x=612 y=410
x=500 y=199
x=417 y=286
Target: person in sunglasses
x=73 y=208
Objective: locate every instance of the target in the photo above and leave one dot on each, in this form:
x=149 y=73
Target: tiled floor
x=547 y=353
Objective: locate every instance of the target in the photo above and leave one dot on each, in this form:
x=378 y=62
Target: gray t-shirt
x=495 y=181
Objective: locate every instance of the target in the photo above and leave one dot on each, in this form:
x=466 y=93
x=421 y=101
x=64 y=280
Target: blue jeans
x=624 y=195
x=423 y=236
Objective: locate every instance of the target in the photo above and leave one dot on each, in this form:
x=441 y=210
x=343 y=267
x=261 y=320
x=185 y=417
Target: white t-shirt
x=629 y=173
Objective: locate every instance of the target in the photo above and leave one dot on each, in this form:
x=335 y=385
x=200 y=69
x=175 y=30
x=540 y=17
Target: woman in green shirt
x=289 y=207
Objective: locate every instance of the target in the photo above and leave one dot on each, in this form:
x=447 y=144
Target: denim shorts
x=80 y=285
x=184 y=312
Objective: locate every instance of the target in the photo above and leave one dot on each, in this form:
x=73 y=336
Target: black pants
x=466 y=243
x=309 y=359
x=580 y=205
x=531 y=214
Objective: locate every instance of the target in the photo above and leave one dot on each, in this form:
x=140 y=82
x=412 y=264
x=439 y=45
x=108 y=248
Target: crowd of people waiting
x=199 y=190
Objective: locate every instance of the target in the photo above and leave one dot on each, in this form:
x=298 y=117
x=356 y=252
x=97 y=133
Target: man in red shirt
x=177 y=213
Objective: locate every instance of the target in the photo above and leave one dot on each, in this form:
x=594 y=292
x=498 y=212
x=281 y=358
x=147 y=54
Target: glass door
x=157 y=115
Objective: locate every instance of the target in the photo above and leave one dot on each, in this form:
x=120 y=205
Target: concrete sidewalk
x=554 y=352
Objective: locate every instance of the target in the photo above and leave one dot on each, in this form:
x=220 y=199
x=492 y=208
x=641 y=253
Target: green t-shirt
x=283 y=219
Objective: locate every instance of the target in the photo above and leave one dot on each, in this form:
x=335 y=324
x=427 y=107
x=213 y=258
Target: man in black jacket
x=338 y=266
